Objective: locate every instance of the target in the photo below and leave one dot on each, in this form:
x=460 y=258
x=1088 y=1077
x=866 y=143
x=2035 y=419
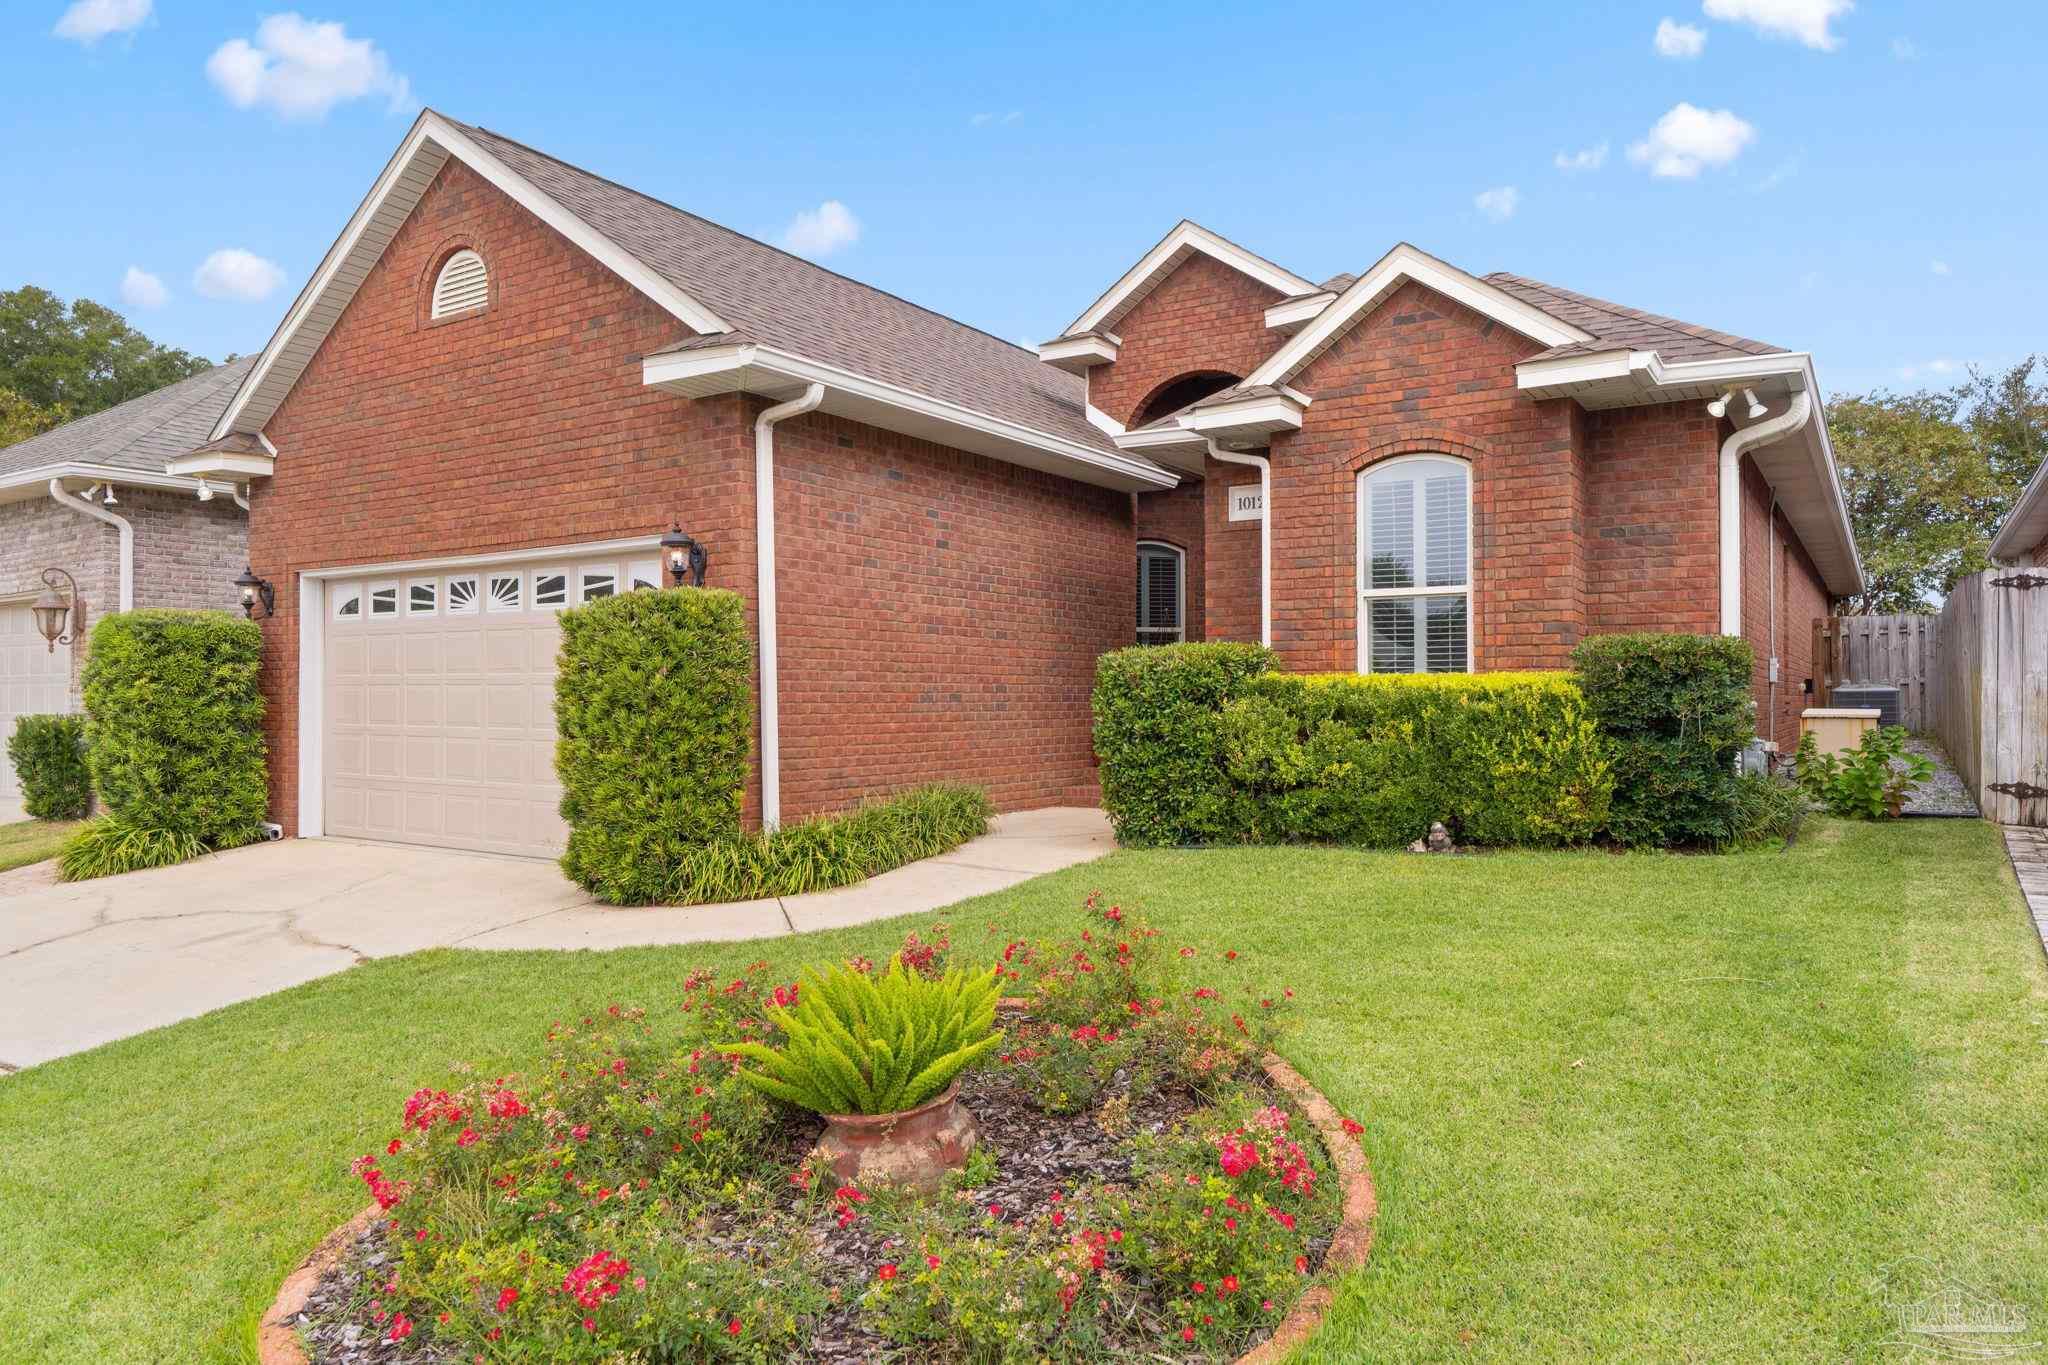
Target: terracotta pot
x=914 y=1147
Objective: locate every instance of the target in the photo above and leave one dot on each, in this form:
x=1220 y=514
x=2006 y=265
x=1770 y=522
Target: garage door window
x=422 y=596
x=383 y=599
x=505 y=594
x=645 y=574
x=550 y=590
x=599 y=580
x=462 y=595
x=348 y=602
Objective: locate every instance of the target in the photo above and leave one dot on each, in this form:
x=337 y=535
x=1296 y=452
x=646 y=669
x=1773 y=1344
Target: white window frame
x=345 y=593
x=476 y=588
x=413 y=585
x=570 y=578
x=490 y=598
x=1367 y=593
x=582 y=585
x=647 y=569
x=370 y=591
x=1180 y=594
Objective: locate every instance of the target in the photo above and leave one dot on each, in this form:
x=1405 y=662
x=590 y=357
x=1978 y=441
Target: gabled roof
x=1614 y=326
x=721 y=286
x=136 y=437
x=1187 y=238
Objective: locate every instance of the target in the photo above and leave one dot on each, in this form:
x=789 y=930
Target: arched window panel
x=1415 y=566
x=1162 y=581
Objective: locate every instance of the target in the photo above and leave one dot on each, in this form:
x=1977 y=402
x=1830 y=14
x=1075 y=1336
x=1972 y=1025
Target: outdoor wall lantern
x=50 y=610
x=256 y=590
x=686 y=558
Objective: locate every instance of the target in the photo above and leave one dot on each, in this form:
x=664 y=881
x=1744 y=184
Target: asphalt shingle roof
x=1614 y=325
x=142 y=433
x=788 y=303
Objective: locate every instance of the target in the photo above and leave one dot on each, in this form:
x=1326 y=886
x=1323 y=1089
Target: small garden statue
x=1437 y=841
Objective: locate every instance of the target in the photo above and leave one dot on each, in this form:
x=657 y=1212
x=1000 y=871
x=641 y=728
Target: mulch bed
x=1037 y=1154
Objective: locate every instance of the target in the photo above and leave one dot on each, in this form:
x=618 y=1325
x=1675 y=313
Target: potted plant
x=879 y=1056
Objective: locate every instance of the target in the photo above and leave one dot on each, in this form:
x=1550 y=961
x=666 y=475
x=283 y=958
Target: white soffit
x=1398 y=266
x=1185 y=240
x=2027 y=524
x=355 y=252
x=751 y=368
x=1078 y=355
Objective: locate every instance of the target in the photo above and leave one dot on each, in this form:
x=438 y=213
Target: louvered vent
x=464 y=284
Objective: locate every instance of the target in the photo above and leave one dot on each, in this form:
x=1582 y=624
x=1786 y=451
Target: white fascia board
x=1289 y=314
x=1247 y=418
x=28 y=483
x=2027 y=523
x=1159 y=439
x=1187 y=236
x=433 y=135
x=1401 y=264
x=1078 y=354
x=536 y=554
x=742 y=367
x=222 y=466
x=1103 y=422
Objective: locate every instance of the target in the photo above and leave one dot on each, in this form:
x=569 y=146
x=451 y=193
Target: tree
x=21 y=419
x=1929 y=476
x=81 y=359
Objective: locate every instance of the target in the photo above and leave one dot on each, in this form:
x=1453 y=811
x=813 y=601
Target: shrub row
x=1203 y=744
x=48 y=754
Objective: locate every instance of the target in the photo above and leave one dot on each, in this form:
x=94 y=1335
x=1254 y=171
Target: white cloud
x=1688 y=139
x=1498 y=204
x=822 y=230
x=1932 y=369
x=1938 y=267
x=88 y=21
x=984 y=120
x=1585 y=159
x=1805 y=21
x=233 y=273
x=1679 y=40
x=301 y=68
x=1905 y=50
x=140 y=289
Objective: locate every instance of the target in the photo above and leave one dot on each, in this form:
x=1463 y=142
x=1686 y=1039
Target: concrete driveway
x=87 y=963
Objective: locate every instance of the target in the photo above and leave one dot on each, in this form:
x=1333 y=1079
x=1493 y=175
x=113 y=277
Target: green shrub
x=1200 y=744
x=48 y=754
x=653 y=709
x=861 y=1043
x=1768 y=810
x=1158 y=733
x=174 y=729
x=1870 y=782
x=1677 y=710
x=114 y=844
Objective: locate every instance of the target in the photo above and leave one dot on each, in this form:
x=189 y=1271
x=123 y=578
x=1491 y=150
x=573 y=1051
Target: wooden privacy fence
x=1990 y=692
x=1898 y=651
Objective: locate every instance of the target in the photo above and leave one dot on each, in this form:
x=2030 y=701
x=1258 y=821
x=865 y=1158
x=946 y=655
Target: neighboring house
x=91 y=498
x=2023 y=538
x=508 y=377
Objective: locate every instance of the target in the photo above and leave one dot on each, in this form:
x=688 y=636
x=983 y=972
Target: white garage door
x=33 y=682
x=439 y=704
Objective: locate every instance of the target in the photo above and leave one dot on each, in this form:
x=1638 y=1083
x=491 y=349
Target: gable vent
x=464 y=284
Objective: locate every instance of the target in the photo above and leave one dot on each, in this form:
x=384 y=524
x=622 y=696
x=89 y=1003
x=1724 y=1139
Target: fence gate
x=1897 y=651
x=1990 y=692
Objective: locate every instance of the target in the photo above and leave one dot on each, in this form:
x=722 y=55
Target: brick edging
x=277 y=1343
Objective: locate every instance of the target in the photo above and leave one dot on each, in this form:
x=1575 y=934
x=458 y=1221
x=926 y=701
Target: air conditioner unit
x=1883 y=697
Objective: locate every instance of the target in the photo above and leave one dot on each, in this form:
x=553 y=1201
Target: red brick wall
x=1176 y=517
x=1775 y=565
x=1204 y=316
x=941 y=617
x=1231 y=563
x=528 y=425
x=1421 y=374
x=1653 y=529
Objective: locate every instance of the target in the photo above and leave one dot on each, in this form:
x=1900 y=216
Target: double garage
x=437 y=691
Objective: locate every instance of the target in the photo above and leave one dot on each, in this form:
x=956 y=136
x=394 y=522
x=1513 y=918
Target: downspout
x=764 y=595
x=1773 y=577
x=119 y=523
x=1265 y=467
x=1748 y=438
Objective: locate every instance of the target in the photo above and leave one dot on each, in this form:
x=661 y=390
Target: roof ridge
x=734 y=232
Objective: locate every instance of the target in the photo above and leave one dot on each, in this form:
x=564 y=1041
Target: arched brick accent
x=1419 y=440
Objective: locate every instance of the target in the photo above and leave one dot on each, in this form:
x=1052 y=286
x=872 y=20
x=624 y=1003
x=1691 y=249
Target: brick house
x=92 y=498
x=2022 y=538
x=509 y=376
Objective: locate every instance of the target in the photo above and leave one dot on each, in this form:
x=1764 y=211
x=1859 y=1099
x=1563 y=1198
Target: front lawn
x=1649 y=1106
x=31 y=841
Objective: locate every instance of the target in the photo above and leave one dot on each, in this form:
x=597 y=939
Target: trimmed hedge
x=1201 y=744
x=48 y=754
x=174 y=725
x=1676 y=710
x=653 y=712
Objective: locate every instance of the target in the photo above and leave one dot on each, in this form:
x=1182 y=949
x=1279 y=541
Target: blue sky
x=1867 y=181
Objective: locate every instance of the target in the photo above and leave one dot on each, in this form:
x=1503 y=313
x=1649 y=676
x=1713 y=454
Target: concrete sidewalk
x=87 y=963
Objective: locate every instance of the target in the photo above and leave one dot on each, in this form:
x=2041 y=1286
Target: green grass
x=31 y=841
x=1641 y=1107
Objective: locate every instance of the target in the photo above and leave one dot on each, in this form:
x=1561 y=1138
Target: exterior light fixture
x=256 y=590
x=685 y=557
x=1756 y=409
x=1719 y=407
x=51 y=610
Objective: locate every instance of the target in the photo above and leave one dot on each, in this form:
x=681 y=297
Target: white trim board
x=385 y=568
x=369 y=231
x=26 y=484
x=1186 y=238
x=1398 y=266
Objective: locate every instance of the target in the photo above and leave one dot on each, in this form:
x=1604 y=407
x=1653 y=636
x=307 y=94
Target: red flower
x=1230 y=1225
x=886 y=1273
x=1058 y=1218
x=1266 y=1304
x=395 y=1148
x=1229 y=1285
x=733 y=1327
x=506 y=1298
x=1187 y=1334
x=590 y=1324
x=401 y=1327
x=1353 y=1127
x=1301 y=1264
x=1200 y=1288
x=1230 y=956
x=467 y=1138
x=932 y=1261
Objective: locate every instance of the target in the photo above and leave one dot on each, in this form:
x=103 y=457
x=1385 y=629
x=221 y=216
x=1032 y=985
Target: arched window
x=462 y=285
x=1415 y=566
x=1189 y=388
x=1161 y=580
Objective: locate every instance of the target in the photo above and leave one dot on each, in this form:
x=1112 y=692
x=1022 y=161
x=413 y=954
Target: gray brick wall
x=187 y=553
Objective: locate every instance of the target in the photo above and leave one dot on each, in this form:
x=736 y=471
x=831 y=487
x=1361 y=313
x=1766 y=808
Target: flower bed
x=1149 y=1181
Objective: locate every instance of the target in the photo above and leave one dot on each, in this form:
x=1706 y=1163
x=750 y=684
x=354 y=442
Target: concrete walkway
x=2028 y=849
x=87 y=963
